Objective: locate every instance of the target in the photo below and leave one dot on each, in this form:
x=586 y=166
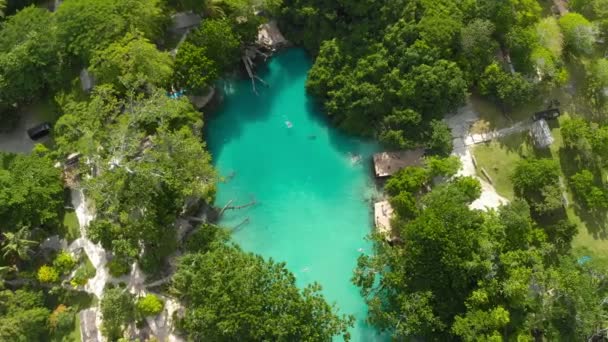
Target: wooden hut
x=387 y=163
x=383 y=212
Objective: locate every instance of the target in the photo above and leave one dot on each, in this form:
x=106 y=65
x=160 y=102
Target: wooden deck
x=387 y=163
x=383 y=213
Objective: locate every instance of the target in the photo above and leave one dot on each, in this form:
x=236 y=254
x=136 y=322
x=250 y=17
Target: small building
x=383 y=212
x=541 y=134
x=387 y=163
x=184 y=21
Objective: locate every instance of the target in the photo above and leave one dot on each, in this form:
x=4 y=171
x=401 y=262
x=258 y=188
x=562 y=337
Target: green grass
x=499 y=158
x=71 y=228
x=587 y=236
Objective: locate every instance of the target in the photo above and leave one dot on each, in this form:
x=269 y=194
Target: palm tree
x=2 y=7
x=17 y=245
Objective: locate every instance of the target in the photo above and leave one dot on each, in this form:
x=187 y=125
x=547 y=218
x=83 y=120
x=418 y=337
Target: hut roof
x=185 y=20
x=387 y=163
x=541 y=133
x=383 y=213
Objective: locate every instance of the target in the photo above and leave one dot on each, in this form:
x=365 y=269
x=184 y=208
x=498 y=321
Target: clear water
x=313 y=206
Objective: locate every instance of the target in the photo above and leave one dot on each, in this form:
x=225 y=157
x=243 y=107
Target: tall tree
x=236 y=296
x=132 y=62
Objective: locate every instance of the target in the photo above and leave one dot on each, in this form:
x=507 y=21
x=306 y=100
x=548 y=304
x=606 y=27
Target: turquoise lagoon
x=312 y=193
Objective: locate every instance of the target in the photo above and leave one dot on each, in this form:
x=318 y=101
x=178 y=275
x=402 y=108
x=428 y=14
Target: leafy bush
x=47 y=274
x=64 y=262
x=118 y=267
x=85 y=272
x=150 y=305
x=62 y=319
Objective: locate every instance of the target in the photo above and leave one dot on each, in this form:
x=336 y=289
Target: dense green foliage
x=389 y=69
x=23 y=316
x=131 y=63
x=149 y=305
x=30 y=57
x=117 y=308
x=236 y=296
x=458 y=273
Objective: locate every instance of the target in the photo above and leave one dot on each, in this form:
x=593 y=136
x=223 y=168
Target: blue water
x=312 y=196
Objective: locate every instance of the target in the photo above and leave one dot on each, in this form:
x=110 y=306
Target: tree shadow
x=596 y=222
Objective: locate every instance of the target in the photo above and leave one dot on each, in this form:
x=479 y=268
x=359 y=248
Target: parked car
x=39 y=131
x=552 y=113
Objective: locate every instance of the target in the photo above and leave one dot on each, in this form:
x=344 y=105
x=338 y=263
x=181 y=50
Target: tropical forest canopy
x=391 y=70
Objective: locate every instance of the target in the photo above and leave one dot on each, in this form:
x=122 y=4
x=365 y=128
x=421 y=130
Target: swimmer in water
x=288 y=124
x=305 y=269
x=360 y=250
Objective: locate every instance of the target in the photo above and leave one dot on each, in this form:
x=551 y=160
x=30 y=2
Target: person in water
x=288 y=124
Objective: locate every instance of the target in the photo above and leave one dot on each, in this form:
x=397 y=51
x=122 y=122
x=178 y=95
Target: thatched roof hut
x=387 y=163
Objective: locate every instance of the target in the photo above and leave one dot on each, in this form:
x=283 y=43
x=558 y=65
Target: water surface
x=312 y=184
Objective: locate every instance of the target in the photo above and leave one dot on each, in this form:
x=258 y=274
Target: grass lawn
x=587 y=236
x=71 y=228
x=499 y=158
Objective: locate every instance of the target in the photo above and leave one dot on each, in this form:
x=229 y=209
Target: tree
x=579 y=33
x=132 y=62
x=31 y=192
x=30 y=57
x=507 y=89
x=2 y=7
x=149 y=305
x=550 y=36
x=537 y=181
x=138 y=191
x=478 y=45
x=232 y=295
x=436 y=89
x=85 y=26
x=17 y=245
x=428 y=283
x=194 y=71
x=220 y=42
x=117 y=310
x=22 y=316
x=585 y=187
x=597 y=83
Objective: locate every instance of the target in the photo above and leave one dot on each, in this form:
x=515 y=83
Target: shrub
x=47 y=274
x=118 y=267
x=150 y=305
x=85 y=272
x=62 y=319
x=64 y=262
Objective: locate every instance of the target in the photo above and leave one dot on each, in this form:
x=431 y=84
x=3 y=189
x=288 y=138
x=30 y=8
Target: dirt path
x=460 y=124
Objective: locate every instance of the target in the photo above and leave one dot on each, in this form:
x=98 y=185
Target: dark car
x=39 y=131
x=552 y=113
